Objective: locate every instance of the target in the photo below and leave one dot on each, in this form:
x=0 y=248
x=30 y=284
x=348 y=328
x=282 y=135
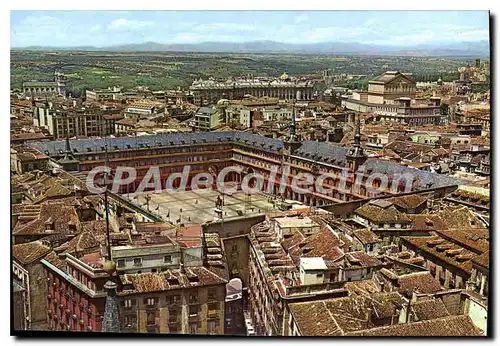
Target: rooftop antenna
x=293 y=127
x=110 y=321
x=66 y=127
x=357 y=134
x=182 y=267
x=106 y=205
x=111 y=318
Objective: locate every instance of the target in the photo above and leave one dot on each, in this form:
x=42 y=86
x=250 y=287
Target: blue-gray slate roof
x=317 y=151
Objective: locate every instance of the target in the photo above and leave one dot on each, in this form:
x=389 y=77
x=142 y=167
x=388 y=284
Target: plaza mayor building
x=279 y=162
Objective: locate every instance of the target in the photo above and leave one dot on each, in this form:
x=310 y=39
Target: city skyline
x=391 y=28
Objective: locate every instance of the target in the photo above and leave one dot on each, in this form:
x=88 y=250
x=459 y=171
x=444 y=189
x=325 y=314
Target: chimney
x=368 y=317
x=414 y=296
x=408 y=310
x=470 y=285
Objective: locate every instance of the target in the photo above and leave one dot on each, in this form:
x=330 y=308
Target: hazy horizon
x=66 y=29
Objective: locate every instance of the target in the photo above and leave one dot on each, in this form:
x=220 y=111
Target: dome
x=223 y=102
x=109 y=266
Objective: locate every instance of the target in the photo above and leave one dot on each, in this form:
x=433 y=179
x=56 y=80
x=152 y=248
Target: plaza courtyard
x=196 y=207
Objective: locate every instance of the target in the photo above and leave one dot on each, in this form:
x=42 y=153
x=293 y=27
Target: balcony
x=194 y=316
x=212 y=313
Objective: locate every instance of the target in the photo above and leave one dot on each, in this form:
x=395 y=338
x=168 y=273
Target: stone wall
x=237 y=255
x=38 y=295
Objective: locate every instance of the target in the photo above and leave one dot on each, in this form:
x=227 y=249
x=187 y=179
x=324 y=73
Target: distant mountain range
x=478 y=48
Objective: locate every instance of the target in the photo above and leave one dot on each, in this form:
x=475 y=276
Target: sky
x=106 y=28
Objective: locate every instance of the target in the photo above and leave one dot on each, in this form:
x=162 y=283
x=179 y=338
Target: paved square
x=197 y=207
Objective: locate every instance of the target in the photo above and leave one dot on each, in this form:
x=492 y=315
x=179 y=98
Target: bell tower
x=292 y=143
x=69 y=162
x=356 y=155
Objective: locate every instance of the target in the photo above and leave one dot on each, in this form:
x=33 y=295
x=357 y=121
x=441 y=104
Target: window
x=151 y=319
x=173 y=281
x=137 y=262
x=150 y=301
x=212 y=294
x=130 y=321
x=128 y=304
x=120 y=263
x=213 y=326
x=193 y=327
x=193 y=310
x=167 y=259
x=173 y=315
x=173 y=299
x=193 y=298
x=319 y=276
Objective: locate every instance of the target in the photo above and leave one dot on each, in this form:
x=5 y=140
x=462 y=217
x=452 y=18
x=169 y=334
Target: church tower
x=111 y=318
x=356 y=155
x=292 y=143
x=69 y=162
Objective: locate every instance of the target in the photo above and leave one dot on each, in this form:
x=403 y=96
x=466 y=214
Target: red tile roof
x=336 y=317
x=452 y=326
x=421 y=282
x=483 y=260
x=53 y=218
x=27 y=253
x=156 y=282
